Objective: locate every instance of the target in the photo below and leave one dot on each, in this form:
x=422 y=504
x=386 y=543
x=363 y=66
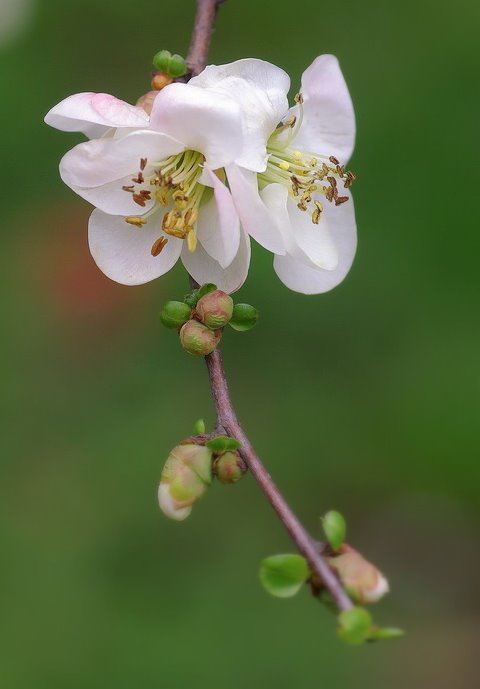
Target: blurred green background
x=364 y=399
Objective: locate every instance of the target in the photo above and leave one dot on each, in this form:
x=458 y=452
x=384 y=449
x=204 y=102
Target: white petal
x=168 y=506
x=111 y=198
x=95 y=113
x=260 y=89
x=218 y=226
x=328 y=124
x=316 y=241
x=206 y=122
x=101 y=161
x=123 y=252
x=255 y=217
x=299 y=277
x=204 y=269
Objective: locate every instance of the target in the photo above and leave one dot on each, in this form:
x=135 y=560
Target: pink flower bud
x=215 y=309
x=185 y=478
x=228 y=468
x=362 y=580
x=146 y=101
x=197 y=339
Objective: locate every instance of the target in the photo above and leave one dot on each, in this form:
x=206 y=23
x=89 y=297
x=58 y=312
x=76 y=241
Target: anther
x=136 y=220
x=158 y=246
x=129 y=188
x=334 y=160
x=341 y=199
x=139 y=199
x=139 y=179
x=143 y=163
x=298 y=98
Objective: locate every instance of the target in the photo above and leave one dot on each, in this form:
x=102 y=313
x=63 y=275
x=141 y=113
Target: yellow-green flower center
x=307 y=175
x=173 y=184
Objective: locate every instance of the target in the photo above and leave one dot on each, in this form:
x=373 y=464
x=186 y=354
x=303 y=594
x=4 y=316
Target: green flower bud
x=228 y=467
x=197 y=339
x=244 y=317
x=215 y=309
x=146 y=101
x=362 y=580
x=178 y=66
x=161 y=60
x=174 y=314
x=185 y=478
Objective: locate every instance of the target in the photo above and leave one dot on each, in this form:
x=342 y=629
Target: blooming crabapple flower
x=303 y=189
x=158 y=184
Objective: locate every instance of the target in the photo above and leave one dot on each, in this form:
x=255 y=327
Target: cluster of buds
x=190 y=469
x=202 y=315
x=168 y=67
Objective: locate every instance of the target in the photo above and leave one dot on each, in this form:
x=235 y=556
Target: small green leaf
x=335 y=529
x=284 y=575
x=199 y=427
x=354 y=626
x=161 y=60
x=205 y=289
x=191 y=298
x=385 y=633
x=244 y=317
x=178 y=66
x=223 y=443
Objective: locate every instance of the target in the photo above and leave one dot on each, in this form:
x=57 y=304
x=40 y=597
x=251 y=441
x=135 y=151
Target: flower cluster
x=213 y=163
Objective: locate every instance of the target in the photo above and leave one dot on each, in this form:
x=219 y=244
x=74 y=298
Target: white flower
x=220 y=159
x=158 y=184
x=302 y=191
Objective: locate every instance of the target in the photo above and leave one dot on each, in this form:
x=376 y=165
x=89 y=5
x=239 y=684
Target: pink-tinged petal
x=218 y=225
x=298 y=276
x=123 y=252
x=101 y=161
x=206 y=122
x=95 y=113
x=328 y=118
x=204 y=269
x=261 y=90
x=255 y=217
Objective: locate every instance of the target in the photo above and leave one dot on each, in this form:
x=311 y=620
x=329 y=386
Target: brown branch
x=226 y=417
x=202 y=35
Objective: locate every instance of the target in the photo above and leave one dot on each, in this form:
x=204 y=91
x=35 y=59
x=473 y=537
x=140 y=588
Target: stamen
x=158 y=246
x=136 y=220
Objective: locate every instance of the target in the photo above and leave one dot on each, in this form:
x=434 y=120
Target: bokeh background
x=364 y=399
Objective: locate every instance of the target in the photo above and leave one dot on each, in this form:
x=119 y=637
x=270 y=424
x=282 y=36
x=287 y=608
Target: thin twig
x=226 y=416
x=202 y=35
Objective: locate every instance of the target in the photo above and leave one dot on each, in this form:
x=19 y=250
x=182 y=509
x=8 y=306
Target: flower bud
x=197 y=339
x=185 y=478
x=174 y=314
x=146 y=101
x=228 y=467
x=215 y=309
x=160 y=80
x=362 y=580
